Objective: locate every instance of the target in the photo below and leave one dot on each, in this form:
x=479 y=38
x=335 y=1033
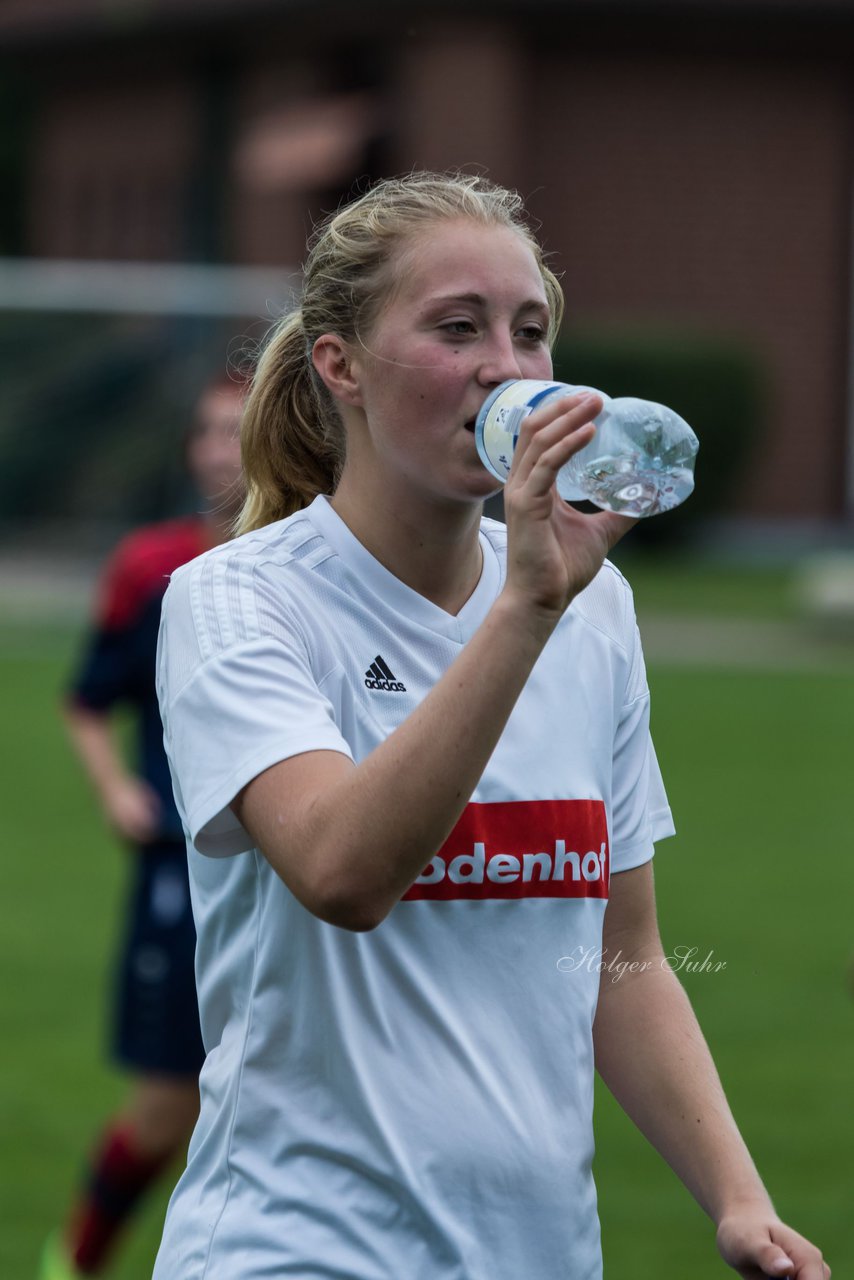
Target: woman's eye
x=458 y=328
x=533 y=333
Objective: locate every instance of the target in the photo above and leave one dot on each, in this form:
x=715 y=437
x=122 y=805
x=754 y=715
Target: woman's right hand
x=553 y=550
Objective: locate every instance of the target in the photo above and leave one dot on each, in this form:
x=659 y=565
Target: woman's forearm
x=128 y=802
x=653 y=1057
x=93 y=738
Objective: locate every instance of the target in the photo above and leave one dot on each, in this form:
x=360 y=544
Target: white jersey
x=413 y=1102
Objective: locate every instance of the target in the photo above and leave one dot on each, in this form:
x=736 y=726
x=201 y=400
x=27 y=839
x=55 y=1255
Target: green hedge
x=716 y=384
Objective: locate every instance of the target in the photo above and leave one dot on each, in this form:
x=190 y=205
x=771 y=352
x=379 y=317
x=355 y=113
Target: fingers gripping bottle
x=639 y=463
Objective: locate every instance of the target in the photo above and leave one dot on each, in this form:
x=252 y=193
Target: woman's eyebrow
x=478 y=300
x=441 y=299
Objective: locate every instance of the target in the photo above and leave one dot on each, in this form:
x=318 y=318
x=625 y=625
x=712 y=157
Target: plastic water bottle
x=640 y=461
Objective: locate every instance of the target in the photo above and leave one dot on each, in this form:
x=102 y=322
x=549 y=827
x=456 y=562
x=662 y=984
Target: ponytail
x=291 y=443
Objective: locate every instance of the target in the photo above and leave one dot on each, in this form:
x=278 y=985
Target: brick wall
x=111 y=168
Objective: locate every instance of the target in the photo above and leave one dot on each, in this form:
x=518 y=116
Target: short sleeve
x=111 y=670
x=641 y=813
x=229 y=715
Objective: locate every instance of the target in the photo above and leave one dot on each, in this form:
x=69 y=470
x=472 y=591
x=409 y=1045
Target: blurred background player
x=156 y=1034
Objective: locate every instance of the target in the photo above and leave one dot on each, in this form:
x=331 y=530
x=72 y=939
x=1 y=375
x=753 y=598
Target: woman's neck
x=436 y=553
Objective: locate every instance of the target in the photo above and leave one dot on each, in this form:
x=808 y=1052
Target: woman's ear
x=332 y=360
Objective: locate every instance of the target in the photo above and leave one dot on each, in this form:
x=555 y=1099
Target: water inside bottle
x=629 y=487
x=640 y=462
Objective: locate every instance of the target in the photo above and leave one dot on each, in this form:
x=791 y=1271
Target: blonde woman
x=411 y=750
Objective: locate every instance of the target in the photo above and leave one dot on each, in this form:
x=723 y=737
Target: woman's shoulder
x=280 y=542
x=608 y=605
x=226 y=593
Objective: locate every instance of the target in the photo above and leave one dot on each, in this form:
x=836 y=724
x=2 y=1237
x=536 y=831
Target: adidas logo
x=379 y=676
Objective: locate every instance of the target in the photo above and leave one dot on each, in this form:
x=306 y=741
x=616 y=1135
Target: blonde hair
x=292 y=438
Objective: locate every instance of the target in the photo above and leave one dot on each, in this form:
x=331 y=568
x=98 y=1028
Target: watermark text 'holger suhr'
x=679 y=960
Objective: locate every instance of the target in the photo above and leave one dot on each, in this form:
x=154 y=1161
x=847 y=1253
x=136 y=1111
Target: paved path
x=45 y=589
x=767 y=644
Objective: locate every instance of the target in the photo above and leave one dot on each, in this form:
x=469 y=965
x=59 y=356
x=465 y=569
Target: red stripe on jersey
x=521 y=849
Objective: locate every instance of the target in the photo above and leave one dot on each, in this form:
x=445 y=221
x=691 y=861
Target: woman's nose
x=500 y=363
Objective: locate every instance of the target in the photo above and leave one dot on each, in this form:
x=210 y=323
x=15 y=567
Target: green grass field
x=758 y=766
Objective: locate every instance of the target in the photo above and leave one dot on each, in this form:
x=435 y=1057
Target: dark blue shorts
x=157 y=1013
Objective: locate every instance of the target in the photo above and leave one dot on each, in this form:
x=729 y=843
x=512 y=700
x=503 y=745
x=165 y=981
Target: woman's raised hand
x=553 y=550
